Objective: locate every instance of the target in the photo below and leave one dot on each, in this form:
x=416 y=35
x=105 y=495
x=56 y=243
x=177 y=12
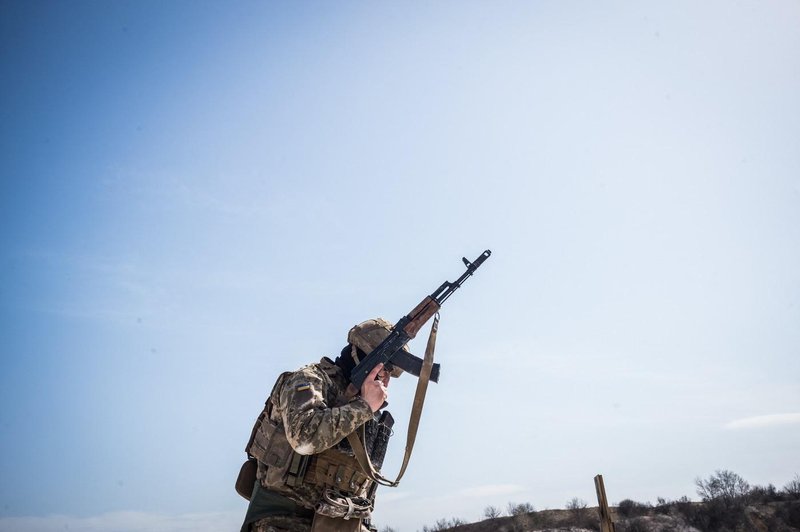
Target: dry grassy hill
x=729 y=504
x=679 y=516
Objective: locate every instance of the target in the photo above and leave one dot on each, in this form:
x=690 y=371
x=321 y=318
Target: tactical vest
x=304 y=478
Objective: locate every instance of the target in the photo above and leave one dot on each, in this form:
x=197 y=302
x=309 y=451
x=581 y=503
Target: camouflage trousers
x=287 y=524
x=282 y=524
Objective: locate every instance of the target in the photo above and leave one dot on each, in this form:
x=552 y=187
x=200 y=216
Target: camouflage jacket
x=305 y=406
x=304 y=414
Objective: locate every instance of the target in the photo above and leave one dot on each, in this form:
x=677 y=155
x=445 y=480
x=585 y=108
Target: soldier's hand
x=373 y=391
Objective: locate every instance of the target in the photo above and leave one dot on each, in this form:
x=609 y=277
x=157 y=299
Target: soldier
x=307 y=476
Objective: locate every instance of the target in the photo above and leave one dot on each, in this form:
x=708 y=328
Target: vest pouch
x=270 y=445
x=378 y=442
x=247 y=478
x=339 y=513
x=323 y=523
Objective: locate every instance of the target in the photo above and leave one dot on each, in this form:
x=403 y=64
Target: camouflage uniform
x=304 y=416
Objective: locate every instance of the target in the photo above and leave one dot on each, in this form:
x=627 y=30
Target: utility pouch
x=247 y=478
x=262 y=445
x=337 y=512
x=270 y=445
x=377 y=432
x=323 y=523
x=380 y=440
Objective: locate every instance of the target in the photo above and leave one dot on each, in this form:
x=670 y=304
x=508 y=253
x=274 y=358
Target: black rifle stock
x=390 y=350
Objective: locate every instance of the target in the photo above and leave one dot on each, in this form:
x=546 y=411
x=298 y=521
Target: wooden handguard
x=420 y=316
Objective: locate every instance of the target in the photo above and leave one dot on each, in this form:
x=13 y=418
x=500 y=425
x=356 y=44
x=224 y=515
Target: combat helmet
x=367 y=335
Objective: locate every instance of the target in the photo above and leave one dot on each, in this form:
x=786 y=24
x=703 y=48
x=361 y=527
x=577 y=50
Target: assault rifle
x=390 y=352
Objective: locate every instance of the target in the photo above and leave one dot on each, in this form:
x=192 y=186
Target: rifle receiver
x=407 y=327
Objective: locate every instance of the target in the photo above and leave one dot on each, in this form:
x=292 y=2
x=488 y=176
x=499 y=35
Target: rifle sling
x=357 y=440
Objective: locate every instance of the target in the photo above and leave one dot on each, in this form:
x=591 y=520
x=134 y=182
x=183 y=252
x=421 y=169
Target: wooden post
x=606 y=524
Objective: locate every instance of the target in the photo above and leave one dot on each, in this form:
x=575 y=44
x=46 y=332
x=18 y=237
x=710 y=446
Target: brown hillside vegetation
x=728 y=504
x=767 y=517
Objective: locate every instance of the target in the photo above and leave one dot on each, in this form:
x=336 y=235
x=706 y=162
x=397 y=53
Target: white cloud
x=125 y=522
x=758 y=422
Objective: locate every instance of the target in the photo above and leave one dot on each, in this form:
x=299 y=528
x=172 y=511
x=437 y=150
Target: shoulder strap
x=357 y=441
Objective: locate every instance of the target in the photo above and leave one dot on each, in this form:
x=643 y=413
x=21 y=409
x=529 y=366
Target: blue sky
x=196 y=196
